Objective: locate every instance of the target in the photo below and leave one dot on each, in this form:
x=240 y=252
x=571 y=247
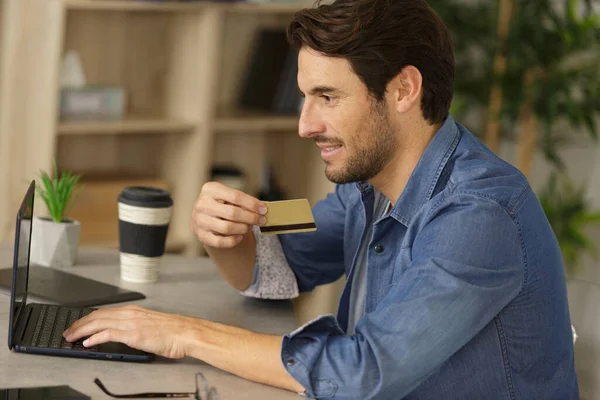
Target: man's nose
x=310 y=123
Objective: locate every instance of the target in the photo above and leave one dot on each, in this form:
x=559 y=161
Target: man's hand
x=222 y=215
x=250 y=355
x=222 y=219
x=146 y=330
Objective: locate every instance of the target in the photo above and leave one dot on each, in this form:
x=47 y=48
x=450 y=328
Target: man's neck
x=392 y=180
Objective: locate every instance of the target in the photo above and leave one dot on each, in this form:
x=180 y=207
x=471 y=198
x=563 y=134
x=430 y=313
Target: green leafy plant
x=550 y=55
x=569 y=214
x=58 y=192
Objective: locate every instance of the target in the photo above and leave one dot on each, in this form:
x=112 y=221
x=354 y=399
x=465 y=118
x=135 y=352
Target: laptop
x=37 y=327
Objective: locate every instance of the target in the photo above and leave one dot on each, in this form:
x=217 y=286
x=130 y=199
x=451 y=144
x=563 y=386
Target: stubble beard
x=372 y=153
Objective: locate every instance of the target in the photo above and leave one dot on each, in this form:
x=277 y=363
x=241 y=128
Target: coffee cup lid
x=145 y=196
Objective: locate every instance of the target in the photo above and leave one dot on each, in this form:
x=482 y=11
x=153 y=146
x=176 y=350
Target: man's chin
x=344 y=174
x=335 y=175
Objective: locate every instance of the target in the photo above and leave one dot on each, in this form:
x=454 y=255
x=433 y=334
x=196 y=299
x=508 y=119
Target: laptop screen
x=21 y=256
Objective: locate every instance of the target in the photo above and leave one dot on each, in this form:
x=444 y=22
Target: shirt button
x=379 y=249
x=291 y=362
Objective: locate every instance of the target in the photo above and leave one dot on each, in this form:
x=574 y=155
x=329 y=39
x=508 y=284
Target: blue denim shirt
x=466 y=294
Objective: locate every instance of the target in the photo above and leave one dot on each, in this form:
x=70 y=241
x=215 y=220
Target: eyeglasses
x=203 y=392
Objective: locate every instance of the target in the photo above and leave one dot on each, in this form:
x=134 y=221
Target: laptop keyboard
x=52 y=322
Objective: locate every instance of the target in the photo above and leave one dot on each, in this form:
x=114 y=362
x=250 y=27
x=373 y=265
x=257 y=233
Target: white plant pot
x=54 y=244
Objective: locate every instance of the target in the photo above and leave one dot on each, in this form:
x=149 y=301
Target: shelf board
x=132 y=5
x=273 y=8
x=255 y=122
x=174 y=6
x=125 y=126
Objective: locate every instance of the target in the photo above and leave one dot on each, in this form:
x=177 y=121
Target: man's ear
x=406 y=89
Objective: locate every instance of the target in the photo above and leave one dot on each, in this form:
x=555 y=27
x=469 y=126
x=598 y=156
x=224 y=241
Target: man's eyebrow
x=322 y=89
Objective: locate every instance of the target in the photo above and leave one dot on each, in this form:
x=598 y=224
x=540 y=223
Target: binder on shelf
x=271 y=81
x=270 y=190
x=288 y=95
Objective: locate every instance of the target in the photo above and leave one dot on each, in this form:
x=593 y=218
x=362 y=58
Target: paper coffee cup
x=144 y=217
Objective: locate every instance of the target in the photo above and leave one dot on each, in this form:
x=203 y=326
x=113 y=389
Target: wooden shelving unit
x=237 y=121
x=265 y=8
x=178 y=6
x=127 y=126
x=181 y=64
x=133 y=5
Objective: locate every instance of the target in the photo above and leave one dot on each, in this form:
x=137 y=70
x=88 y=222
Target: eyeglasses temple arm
x=148 y=395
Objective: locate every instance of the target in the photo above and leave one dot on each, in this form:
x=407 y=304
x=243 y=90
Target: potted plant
x=55 y=238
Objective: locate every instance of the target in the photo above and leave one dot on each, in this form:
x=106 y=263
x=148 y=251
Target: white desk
x=191 y=287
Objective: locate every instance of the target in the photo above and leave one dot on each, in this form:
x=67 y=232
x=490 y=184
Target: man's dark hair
x=379 y=38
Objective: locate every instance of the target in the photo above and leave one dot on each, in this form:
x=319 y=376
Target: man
x=455 y=285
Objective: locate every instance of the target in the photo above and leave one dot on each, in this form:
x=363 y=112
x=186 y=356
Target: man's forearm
x=250 y=355
x=237 y=264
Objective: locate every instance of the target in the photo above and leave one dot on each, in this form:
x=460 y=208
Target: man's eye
x=326 y=98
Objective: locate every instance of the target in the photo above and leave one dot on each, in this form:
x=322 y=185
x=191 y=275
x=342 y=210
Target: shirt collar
x=426 y=174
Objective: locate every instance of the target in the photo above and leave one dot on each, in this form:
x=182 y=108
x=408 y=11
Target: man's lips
x=328 y=150
x=328 y=145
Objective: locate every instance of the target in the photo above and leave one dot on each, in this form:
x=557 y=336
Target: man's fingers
x=217 y=241
x=117 y=313
x=97 y=325
x=234 y=213
x=221 y=226
x=219 y=191
x=149 y=331
x=82 y=321
x=111 y=335
x=222 y=216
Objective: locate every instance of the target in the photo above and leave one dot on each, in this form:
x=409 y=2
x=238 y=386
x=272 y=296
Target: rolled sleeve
x=272 y=278
x=300 y=349
x=451 y=290
x=292 y=263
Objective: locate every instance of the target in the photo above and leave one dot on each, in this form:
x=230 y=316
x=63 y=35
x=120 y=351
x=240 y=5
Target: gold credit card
x=288 y=216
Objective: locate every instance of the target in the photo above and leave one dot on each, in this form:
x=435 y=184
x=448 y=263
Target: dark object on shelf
x=271 y=81
x=229 y=175
x=224 y=169
x=288 y=98
x=270 y=189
